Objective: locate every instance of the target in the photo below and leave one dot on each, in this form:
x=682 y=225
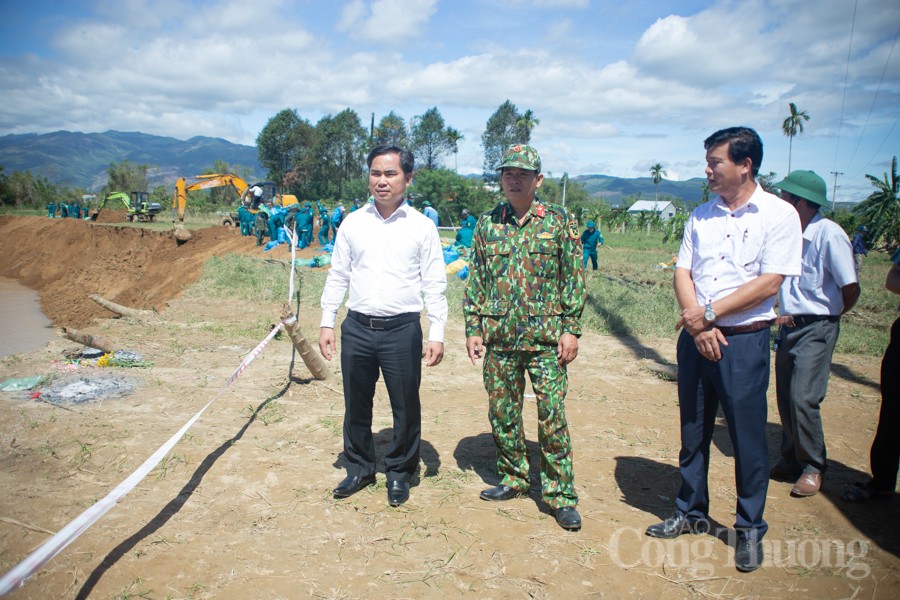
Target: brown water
x=23 y=327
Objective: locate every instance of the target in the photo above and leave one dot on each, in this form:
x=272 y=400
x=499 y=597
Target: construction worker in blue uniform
x=325 y=221
x=590 y=237
x=305 y=225
x=467 y=219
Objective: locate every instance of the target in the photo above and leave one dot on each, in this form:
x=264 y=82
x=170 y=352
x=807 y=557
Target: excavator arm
x=120 y=196
x=203 y=182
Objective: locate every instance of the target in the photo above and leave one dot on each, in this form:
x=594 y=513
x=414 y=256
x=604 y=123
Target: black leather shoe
x=676 y=525
x=397 y=492
x=748 y=554
x=568 y=518
x=352 y=484
x=500 y=492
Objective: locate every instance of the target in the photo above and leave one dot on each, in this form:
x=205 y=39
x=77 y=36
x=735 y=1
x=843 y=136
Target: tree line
x=325 y=161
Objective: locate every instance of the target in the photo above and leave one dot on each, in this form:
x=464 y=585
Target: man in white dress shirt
x=811 y=306
x=389 y=256
x=736 y=251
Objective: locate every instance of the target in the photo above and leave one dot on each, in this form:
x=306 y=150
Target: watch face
x=709 y=315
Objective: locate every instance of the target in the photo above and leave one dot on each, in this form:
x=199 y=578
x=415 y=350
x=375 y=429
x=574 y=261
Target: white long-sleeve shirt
x=389 y=265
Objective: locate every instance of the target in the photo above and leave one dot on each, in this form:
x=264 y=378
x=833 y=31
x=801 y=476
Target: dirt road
x=242 y=507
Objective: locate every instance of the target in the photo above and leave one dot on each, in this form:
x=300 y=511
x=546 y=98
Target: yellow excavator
x=251 y=196
x=138 y=206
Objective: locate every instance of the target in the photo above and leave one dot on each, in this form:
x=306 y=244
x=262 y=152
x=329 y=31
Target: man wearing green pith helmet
x=810 y=316
x=523 y=306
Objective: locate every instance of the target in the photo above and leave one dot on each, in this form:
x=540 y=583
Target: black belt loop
x=383 y=323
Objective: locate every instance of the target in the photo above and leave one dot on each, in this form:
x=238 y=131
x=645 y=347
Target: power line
x=846 y=77
x=871 y=108
x=882 y=143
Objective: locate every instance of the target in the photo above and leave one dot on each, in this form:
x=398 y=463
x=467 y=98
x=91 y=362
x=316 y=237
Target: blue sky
x=617 y=85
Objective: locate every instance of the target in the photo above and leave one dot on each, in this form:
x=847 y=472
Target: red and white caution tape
x=68 y=534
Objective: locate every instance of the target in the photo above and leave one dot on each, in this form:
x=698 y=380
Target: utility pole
x=834 y=188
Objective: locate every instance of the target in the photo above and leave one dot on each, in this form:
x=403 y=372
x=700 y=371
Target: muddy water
x=23 y=327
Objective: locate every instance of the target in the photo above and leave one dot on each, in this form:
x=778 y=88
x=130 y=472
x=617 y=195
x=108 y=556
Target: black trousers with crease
x=395 y=354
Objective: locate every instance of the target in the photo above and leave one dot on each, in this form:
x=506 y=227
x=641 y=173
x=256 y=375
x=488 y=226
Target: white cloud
x=607 y=98
x=386 y=20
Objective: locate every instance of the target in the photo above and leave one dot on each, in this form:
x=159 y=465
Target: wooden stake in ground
x=91 y=341
x=119 y=309
x=312 y=360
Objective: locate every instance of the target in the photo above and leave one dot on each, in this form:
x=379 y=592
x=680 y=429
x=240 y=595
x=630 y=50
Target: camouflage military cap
x=520 y=156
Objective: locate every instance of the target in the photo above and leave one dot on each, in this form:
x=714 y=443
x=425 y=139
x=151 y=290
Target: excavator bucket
x=94 y=214
x=181 y=233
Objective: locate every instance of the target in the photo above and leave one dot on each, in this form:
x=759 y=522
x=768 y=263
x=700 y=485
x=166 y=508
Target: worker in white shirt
x=811 y=306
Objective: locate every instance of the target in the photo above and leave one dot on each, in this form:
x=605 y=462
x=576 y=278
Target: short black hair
x=743 y=142
x=407 y=161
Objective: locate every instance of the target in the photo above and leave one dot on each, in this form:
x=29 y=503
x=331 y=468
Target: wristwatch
x=710 y=314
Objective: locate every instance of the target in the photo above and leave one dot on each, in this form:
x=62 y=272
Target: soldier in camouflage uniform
x=522 y=307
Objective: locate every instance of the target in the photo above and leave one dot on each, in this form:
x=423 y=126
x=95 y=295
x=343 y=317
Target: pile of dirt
x=67 y=260
x=112 y=216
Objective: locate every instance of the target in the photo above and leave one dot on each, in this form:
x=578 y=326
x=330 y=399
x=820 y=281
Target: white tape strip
x=68 y=534
x=292 y=238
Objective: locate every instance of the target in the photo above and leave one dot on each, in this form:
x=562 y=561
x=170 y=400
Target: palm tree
x=453 y=138
x=525 y=123
x=881 y=210
x=657 y=172
x=792 y=126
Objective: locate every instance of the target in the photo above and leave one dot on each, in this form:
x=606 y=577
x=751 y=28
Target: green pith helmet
x=520 y=156
x=806 y=185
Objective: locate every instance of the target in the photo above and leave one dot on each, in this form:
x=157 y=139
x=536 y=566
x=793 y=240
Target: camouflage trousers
x=504 y=380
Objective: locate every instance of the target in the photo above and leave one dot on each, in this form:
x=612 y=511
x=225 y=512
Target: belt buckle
x=372 y=323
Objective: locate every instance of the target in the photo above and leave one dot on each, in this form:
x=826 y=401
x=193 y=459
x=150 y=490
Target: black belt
x=748 y=328
x=803 y=320
x=383 y=322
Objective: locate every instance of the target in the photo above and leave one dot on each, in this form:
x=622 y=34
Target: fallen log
x=85 y=339
x=312 y=360
x=119 y=309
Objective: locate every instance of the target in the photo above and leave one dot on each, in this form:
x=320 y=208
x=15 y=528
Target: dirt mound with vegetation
x=67 y=260
x=241 y=506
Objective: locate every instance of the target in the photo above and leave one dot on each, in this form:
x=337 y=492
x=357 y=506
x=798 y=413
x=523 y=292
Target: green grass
x=245 y=277
x=630 y=295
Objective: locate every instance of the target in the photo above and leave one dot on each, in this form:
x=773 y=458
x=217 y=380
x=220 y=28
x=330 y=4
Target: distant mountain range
x=618 y=191
x=81 y=159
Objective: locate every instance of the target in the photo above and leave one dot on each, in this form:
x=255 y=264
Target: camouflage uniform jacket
x=526 y=284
